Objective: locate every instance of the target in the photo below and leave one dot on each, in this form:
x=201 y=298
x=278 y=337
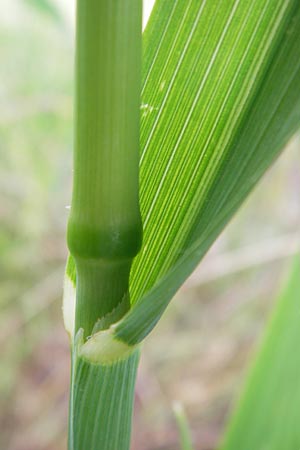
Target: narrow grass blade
x=267 y=416
x=183 y=428
x=46 y=7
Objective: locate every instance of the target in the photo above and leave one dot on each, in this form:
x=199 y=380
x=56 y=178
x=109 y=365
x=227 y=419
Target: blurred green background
x=199 y=353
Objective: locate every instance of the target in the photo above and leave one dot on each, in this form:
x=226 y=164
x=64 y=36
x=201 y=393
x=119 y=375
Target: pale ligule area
x=69 y=300
x=100 y=348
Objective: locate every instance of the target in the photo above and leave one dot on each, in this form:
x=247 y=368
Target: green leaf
x=267 y=417
x=221 y=83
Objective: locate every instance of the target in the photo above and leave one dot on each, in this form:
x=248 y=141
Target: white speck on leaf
x=147 y=109
x=162 y=85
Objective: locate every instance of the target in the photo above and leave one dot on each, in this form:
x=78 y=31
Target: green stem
x=104 y=229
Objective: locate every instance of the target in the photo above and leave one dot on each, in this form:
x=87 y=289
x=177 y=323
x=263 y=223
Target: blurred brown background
x=199 y=353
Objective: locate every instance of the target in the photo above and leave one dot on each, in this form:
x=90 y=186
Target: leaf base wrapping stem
x=101 y=402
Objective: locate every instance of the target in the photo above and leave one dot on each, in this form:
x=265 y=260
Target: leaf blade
x=272 y=387
x=187 y=206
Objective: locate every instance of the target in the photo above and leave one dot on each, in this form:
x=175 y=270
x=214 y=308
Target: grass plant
x=212 y=105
